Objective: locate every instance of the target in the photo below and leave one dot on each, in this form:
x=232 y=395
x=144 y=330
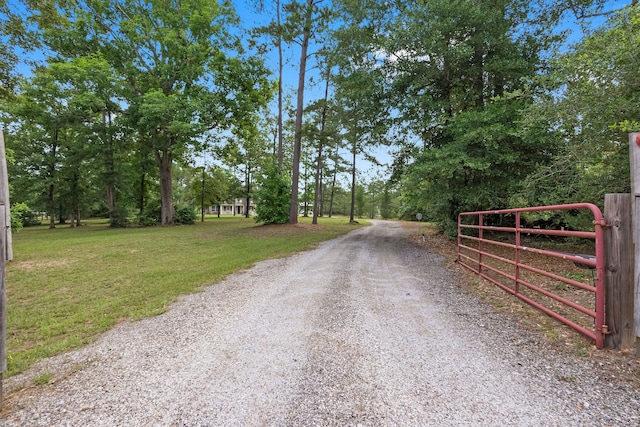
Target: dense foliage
x=273 y=198
x=129 y=88
x=491 y=110
x=483 y=104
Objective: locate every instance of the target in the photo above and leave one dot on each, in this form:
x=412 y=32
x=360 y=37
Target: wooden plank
x=4 y=197
x=634 y=156
x=3 y=304
x=5 y=253
x=619 y=275
x=636 y=234
x=3 y=298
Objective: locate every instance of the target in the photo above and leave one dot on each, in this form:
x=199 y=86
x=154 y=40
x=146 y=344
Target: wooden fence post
x=634 y=155
x=4 y=254
x=3 y=303
x=619 y=286
x=4 y=196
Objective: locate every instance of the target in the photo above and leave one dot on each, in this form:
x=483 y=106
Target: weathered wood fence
x=634 y=154
x=619 y=289
x=6 y=253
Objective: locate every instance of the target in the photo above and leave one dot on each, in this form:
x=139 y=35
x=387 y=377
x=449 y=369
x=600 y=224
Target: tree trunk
x=297 y=145
x=143 y=189
x=145 y=163
x=202 y=198
x=61 y=218
x=280 y=66
x=353 y=184
x=75 y=203
x=110 y=195
x=306 y=194
x=321 y=199
x=333 y=181
x=318 y=192
x=248 y=198
x=52 y=206
x=108 y=166
x=373 y=204
x=165 y=161
x=52 y=173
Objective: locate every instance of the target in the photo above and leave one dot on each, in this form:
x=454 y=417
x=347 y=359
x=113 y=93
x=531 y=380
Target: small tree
x=272 y=205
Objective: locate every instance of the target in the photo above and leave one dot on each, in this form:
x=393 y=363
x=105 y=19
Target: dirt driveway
x=364 y=330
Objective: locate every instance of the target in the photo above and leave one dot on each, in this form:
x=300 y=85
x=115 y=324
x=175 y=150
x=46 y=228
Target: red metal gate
x=476 y=251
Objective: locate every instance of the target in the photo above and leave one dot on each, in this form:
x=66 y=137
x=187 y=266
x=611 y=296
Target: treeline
x=492 y=108
x=129 y=95
x=128 y=90
x=483 y=103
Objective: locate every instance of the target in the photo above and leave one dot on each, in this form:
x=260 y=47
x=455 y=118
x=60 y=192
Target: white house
x=237 y=207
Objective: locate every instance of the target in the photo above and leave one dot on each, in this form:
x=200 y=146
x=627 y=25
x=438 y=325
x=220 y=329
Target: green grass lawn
x=66 y=286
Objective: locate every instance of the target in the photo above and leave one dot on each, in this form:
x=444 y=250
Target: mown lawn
x=66 y=286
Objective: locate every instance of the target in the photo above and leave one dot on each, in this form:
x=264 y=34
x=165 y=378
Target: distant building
x=235 y=208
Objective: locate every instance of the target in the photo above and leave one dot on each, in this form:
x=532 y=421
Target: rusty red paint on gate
x=474 y=258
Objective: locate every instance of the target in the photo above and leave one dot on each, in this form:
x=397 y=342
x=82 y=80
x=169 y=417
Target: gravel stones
x=364 y=330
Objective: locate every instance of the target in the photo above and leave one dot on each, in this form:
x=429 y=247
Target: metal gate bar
x=474 y=258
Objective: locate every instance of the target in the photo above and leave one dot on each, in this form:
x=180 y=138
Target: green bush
x=120 y=218
x=186 y=215
x=273 y=199
x=22 y=216
x=146 y=221
x=153 y=213
x=150 y=216
x=16 y=221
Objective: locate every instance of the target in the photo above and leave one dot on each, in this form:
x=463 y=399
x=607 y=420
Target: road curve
x=363 y=330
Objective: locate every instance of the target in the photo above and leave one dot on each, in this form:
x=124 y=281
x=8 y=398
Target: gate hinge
x=605 y=330
x=602 y=223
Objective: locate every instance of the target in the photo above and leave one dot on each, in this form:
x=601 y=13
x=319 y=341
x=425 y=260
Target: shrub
x=273 y=199
x=151 y=215
x=186 y=215
x=22 y=216
x=120 y=218
x=16 y=221
x=146 y=221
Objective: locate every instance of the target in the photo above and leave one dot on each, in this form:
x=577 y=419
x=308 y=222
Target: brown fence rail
x=497 y=252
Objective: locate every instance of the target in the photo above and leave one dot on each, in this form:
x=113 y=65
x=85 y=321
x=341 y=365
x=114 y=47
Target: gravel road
x=364 y=330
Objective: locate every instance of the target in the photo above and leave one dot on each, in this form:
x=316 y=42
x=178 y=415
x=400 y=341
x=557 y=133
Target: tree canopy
x=482 y=104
